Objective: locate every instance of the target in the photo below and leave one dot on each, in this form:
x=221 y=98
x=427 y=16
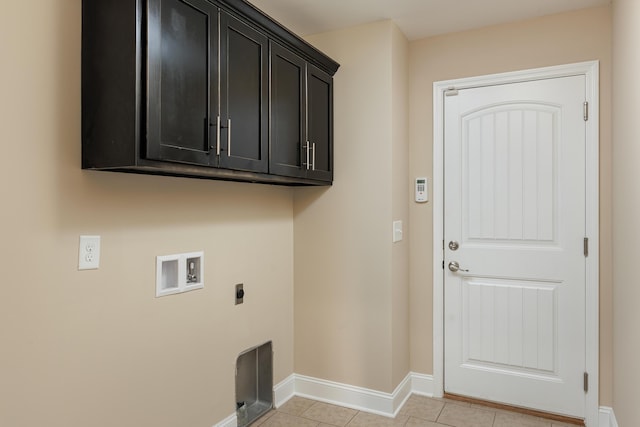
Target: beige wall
x=96 y=348
x=351 y=281
x=626 y=210
x=400 y=193
x=552 y=40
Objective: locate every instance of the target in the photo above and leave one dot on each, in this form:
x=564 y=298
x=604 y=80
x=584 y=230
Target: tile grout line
x=349 y=421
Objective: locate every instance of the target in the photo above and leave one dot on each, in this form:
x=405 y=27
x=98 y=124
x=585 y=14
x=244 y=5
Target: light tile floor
x=418 y=411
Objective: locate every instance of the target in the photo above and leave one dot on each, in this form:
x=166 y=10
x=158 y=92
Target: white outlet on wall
x=89 y=253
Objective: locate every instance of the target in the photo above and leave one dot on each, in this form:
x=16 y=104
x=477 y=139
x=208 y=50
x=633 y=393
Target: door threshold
x=524 y=411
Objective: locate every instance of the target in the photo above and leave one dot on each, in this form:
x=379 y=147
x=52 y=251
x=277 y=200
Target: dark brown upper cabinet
x=244 y=82
x=319 y=124
x=182 y=84
x=182 y=87
x=288 y=113
x=301 y=117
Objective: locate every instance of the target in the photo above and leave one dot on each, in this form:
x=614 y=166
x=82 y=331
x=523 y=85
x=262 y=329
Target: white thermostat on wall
x=421 y=190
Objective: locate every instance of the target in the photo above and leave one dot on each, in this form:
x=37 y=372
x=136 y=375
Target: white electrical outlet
x=89 y=253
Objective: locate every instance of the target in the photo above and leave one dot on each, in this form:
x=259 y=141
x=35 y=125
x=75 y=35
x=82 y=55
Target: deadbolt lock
x=453 y=245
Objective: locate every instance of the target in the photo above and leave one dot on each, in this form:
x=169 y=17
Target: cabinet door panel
x=244 y=82
x=288 y=112
x=180 y=59
x=320 y=123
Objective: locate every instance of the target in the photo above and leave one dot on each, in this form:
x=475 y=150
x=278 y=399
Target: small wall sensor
x=421 y=188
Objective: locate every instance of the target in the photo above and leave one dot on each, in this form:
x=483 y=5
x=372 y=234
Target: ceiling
x=416 y=18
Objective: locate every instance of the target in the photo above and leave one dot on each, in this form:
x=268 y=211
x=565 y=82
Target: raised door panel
x=181 y=64
x=511 y=153
x=288 y=112
x=244 y=78
x=320 y=124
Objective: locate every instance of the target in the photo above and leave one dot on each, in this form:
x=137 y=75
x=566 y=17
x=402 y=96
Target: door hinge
x=443 y=264
x=585 y=110
x=586 y=247
x=586 y=382
x=451 y=91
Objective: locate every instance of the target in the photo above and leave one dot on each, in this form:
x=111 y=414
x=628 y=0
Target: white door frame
x=590 y=70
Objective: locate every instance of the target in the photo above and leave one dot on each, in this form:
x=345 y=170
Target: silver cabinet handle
x=218 y=136
x=313 y=164
x=454 y=266
x=308 y=148
x=229 y=138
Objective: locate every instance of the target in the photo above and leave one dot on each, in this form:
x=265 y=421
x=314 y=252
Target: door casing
x=590 y=70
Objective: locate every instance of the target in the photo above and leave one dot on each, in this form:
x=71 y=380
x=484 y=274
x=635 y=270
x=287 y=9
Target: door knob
x=454 y=266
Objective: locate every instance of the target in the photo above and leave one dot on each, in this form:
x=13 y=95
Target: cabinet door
x=320 y=124
x=244 y=80
x=288 y=113
x=182 y=66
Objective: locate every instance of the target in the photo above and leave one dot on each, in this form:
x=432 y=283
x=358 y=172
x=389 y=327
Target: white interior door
x=514 y=191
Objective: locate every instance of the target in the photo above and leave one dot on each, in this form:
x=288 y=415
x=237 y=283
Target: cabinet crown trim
x=279 y=32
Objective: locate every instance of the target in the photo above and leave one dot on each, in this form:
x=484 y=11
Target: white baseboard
x=607 y=417
x=284 y=390
x=421 y=384
x=367 y=400
x=359 y=398
x=362 y=399
x=401 y=394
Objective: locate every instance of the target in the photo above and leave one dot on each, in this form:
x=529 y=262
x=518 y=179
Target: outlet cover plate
x=397 y=231
x=89 y=253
